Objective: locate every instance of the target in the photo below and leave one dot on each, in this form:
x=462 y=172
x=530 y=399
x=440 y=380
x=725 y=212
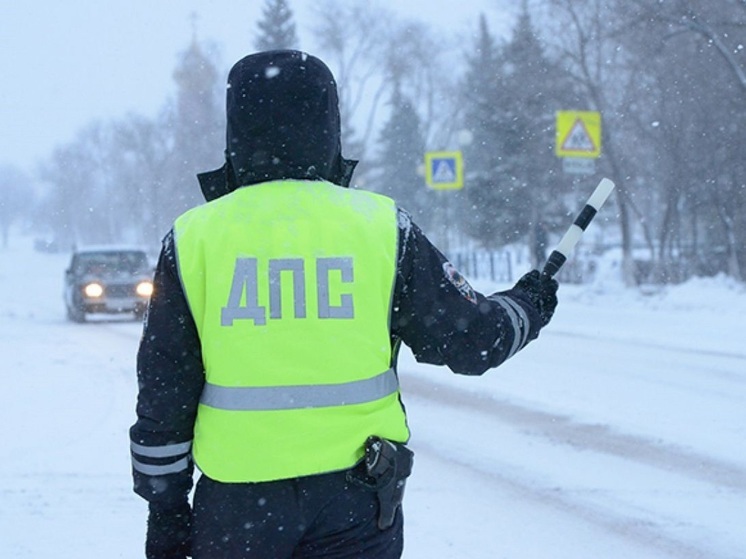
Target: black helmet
x=283 y=122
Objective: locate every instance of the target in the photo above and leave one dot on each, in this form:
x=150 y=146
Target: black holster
x=388 y=464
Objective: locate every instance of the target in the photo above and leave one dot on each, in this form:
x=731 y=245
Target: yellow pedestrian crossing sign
x=578 y=134
x=444 y=170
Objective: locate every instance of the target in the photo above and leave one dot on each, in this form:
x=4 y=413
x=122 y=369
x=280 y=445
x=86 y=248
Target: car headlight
x=93 y=290
x=144 y=289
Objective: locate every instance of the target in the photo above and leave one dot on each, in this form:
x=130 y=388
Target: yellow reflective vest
x=290 y=286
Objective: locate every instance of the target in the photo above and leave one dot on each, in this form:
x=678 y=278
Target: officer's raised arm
x=445 y=321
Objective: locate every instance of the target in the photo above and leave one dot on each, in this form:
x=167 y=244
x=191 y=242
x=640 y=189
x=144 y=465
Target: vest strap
x=265 y=398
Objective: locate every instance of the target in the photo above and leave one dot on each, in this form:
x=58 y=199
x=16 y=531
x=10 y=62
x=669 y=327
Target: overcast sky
x=66 y=63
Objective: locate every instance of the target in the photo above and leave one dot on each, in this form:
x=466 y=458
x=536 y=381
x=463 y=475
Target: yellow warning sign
x=578 y=134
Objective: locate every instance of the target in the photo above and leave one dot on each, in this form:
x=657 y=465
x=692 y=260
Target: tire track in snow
x=650 y=345
x=639 y=532
x=583 y=436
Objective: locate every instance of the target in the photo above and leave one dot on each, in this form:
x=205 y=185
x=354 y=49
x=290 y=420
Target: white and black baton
x=559 y=255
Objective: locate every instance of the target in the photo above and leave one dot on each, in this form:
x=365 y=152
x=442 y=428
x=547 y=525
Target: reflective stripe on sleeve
x=160 y=470
x=264 y=398
x=163 y=451
x=523 y=317
x=518 y=318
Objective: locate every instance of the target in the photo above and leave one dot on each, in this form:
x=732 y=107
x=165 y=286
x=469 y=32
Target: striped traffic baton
x=559 y=255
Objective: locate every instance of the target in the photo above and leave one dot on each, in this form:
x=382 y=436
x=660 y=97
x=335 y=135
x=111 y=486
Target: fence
x=496 y=266
x=504 y=266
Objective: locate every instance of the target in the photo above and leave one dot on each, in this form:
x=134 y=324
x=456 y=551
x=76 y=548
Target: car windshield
x=93 y=263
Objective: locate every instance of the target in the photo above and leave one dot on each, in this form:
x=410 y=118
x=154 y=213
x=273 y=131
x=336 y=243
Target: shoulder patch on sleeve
x=459 y=282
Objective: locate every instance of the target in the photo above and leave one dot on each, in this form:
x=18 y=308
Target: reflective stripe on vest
x=290 y=286
x=257 y=398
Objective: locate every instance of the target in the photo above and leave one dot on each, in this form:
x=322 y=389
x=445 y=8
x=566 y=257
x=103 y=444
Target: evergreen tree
x=276 y=28
x=402 y=148
x=481 y=156
x=514 y=93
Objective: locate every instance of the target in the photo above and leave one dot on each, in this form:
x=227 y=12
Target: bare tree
x=66 y=176
x=715 y=21
x=694 y=56
x=85 y=202
x=16 y=198
x=353 y=36
x=585 y=39
x=371 y=52
x=144 y=147
x=414 y=62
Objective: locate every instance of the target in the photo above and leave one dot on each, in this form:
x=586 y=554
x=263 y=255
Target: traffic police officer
x=268 y=356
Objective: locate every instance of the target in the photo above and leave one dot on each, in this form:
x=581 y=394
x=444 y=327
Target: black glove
x=541 y=290
x=169 y=531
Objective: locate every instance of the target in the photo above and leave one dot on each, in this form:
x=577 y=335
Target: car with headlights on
x=107 y=280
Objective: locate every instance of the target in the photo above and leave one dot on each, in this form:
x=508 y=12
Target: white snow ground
x=619 y=434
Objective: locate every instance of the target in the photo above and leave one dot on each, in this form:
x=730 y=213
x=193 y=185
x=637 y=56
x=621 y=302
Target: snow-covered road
x=619 y=434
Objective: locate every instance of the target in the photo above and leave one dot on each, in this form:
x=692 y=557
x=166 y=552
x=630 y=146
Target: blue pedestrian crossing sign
x=444 y=170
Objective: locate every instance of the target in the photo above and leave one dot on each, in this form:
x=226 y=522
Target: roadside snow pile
x=720 y=294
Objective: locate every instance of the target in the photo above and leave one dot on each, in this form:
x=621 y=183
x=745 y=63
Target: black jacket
x=434 y=311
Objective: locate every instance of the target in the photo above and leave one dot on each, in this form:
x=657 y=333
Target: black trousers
x=326 y=516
